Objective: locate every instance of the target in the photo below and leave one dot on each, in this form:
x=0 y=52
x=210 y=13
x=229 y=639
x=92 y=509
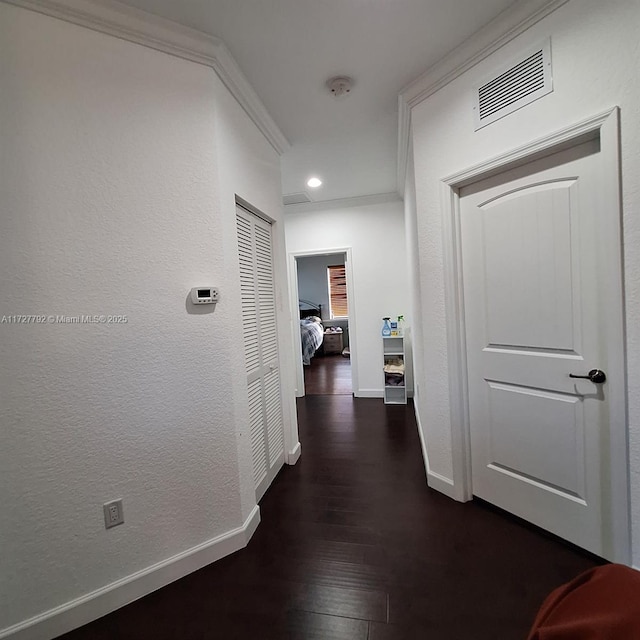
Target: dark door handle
x=595 y=375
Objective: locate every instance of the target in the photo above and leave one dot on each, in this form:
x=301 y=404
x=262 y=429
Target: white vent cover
x=296 y=198
x=515 y=86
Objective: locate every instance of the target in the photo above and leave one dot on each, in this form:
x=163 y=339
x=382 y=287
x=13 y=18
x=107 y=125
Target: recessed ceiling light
x=314 y=182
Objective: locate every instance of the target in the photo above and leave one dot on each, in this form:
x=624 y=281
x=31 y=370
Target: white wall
x=595 y=61
x=114 y=200
x=375 y=233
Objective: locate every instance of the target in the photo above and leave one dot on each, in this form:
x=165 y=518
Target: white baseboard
x=434 y=480
x=96 y=604
x=294 y=454
x=248 y=528
x=375 y=393
x=442 y=484
x=369 y=393
x=423 y=444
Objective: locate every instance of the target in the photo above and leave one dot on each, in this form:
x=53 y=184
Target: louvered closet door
x=261 y=347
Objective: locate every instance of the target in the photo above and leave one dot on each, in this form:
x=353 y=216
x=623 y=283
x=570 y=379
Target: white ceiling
x=287 y=49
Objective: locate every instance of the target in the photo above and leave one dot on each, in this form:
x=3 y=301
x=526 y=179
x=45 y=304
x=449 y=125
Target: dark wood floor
x=328 y=375
x=354 y=546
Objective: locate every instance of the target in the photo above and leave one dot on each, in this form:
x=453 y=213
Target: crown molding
x=404 y=137
x=342 y=203
x=486 y=41
x=140 y=27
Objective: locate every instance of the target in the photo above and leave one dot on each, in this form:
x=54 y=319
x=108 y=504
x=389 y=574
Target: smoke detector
x=340 y=85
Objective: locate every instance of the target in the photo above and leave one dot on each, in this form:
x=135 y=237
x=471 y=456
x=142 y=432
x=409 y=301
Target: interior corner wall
x=595 y=60
x=413 y=277
x=375 y=234
x=114 y=202
x=248 y=167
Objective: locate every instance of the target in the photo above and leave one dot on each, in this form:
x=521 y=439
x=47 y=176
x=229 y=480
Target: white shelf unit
x=394 y=369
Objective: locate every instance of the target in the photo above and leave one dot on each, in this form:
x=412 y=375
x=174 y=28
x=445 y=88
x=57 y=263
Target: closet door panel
x=249 y=297
x=266 y=293
x=275 y=430
x=256 y=426
x=255 y=250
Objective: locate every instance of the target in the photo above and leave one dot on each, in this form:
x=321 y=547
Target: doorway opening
x=325 y=323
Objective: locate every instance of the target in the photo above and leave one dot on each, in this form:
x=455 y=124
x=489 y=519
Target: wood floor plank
x=345 y=575
x=303 y=625
x=328 y=375
x=339 y=601
x=329 y=550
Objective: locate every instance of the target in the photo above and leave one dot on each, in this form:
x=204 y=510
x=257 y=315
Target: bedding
x=311 y=333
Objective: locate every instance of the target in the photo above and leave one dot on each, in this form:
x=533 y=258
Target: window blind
x=338 y=291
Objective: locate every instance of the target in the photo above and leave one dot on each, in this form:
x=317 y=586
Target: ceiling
x=288 y=49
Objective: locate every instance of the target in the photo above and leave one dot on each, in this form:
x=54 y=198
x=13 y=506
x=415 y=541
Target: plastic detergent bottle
x=401 y=325
x=386 y=327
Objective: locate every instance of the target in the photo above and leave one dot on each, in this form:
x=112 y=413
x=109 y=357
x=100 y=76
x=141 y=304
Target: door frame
x=295 y=313
x=292 y=449
x=604 y=126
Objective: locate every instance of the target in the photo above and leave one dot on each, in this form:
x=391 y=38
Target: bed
x=311 y=329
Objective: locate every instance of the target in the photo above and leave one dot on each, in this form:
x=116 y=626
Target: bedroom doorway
x=321 y=290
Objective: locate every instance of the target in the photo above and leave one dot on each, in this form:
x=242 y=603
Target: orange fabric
x=600 y=604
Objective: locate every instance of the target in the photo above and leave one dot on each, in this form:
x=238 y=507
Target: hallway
x=328 y=375
x=354 y=546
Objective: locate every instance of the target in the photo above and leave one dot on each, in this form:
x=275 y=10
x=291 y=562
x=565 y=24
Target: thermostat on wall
x=205 y=295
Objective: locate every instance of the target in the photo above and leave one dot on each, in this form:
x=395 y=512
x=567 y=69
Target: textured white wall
x=595 y=60
x=112 y=201
x=375 y=234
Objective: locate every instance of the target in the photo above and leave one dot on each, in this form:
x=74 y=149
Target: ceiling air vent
x=296 y=198
x=514 y=86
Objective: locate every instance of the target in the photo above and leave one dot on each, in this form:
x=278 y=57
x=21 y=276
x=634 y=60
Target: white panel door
x=255 y=250
x=533 y=282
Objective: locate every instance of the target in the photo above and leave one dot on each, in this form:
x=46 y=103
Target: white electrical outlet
x=113 y=513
